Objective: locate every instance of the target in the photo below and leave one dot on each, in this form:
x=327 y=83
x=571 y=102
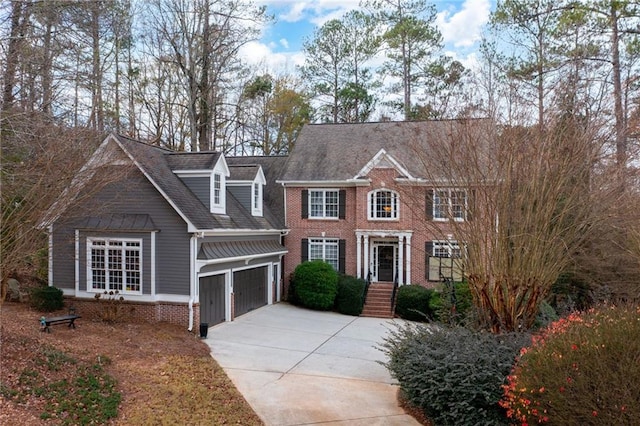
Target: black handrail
x=393 y=293
x=367 y=283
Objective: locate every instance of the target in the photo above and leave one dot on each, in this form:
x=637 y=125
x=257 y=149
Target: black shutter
x=305 y=204
x=341 y=255
x=428 y=252
x=342 y=197
x=304 y=249
x=429 y=204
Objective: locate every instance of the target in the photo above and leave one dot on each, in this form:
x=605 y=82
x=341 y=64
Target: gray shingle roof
x=157 y=163
x=272 y=167
x=246 y=172
x=335 y=152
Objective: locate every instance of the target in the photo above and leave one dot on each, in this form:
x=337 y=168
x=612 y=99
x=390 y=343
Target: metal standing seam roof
x=120 y=222
x=234 y=249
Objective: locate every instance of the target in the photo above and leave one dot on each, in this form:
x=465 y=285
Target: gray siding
x=201 y=187
x=133 y=194
x=242 y=194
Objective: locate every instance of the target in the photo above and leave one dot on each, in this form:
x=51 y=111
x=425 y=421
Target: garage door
x=250 y=289
x=212 y=299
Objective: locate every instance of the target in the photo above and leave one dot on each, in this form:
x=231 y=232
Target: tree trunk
x=20 y=11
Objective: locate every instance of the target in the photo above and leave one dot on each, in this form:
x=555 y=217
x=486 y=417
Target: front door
x=385 y=263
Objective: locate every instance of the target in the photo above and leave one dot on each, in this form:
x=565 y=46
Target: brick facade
x=412 y=219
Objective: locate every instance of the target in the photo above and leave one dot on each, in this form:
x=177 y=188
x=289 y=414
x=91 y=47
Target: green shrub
x=453 y=304
x=291 y=292
x=349 y=298
x=46 y=299
x=570 y=293
x=316 y=284
x=582 y=369
x=454 y=375
x=412 y=303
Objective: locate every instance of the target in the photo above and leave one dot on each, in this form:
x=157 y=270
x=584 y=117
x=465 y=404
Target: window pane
x=458 y=204
x=115 y=265
x=331 y=201
x=440 y=203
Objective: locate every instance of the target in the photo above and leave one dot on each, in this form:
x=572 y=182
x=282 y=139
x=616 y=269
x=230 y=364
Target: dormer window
x=256 y=204
x=217 y=189
x=383 y=205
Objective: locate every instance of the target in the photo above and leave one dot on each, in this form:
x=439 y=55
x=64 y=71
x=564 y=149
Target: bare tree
x=530 y=207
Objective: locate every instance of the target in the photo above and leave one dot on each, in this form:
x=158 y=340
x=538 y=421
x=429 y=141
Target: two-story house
x=362 y=197
x=181 y=237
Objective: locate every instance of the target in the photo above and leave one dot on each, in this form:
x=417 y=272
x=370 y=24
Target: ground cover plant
x=105 y=373
x=316 y=284
x=582 y=369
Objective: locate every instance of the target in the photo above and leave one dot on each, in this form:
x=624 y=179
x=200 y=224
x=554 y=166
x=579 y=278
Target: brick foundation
x=151 y=312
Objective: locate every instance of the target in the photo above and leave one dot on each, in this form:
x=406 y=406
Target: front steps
x=378 y=301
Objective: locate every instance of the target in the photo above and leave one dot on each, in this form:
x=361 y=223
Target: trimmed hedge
x=46 y=299
x=316 y=284
x=349 y=298
x=412 y=303
x=454 y=375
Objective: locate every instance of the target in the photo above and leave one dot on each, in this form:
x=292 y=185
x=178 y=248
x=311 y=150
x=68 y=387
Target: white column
x=366 y=257
x=400 y=258
x=408 y=258
x=358 y=255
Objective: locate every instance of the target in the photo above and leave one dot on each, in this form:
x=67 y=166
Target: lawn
x=140 y=373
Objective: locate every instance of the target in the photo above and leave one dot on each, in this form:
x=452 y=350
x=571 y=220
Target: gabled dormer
x=246 y=183
x=205 y=174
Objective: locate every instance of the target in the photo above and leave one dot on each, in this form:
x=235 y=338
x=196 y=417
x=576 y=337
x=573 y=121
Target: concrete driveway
x=300 y=367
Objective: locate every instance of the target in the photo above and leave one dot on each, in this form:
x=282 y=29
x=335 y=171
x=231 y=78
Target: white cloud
x=284 y=43
x=261 y=55
x=463 y=28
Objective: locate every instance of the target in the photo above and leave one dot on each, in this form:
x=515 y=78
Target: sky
x=461 y=23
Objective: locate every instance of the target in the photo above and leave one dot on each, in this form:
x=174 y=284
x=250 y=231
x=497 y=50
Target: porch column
x=366 y=257
x=358 y=255
x=400 y=259
x=408 y=258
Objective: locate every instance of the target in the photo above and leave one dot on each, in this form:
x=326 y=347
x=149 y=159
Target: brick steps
x=378 y=301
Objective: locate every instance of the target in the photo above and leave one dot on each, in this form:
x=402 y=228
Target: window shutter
x=305 y=204
x=429 y=204
x=342 y=197
x=428 y=252
x=341 y=255
x=304 y=249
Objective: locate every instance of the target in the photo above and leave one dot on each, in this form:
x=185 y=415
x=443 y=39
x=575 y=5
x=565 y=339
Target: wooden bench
x=70 y=319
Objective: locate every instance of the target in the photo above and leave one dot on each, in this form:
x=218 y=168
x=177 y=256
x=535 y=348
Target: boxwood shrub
x=452 y=304
x=46 y=299
x=454 y=375
x=316 y=284
x=412 y=303
x=349 y=298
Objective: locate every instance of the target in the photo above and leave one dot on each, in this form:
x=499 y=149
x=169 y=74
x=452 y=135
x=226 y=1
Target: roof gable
x=382 y=160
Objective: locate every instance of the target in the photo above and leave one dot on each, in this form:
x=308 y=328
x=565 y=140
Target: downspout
x=192 y=277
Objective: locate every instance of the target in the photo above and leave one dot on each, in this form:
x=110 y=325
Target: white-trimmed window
x=323 y=203
x=256 y=199
x=114 y=264
x=444 y=260
x=449 y=203
x=325 y=249
x=383 y=204
x=217 y=189
x=446 y=249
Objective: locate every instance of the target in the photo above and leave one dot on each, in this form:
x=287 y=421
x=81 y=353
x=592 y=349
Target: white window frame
x=324 y=214
x=121 y=245
x=374 y=211
x=444 y=208
x=323 y=249
x=446 y=248
x=256 y=199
